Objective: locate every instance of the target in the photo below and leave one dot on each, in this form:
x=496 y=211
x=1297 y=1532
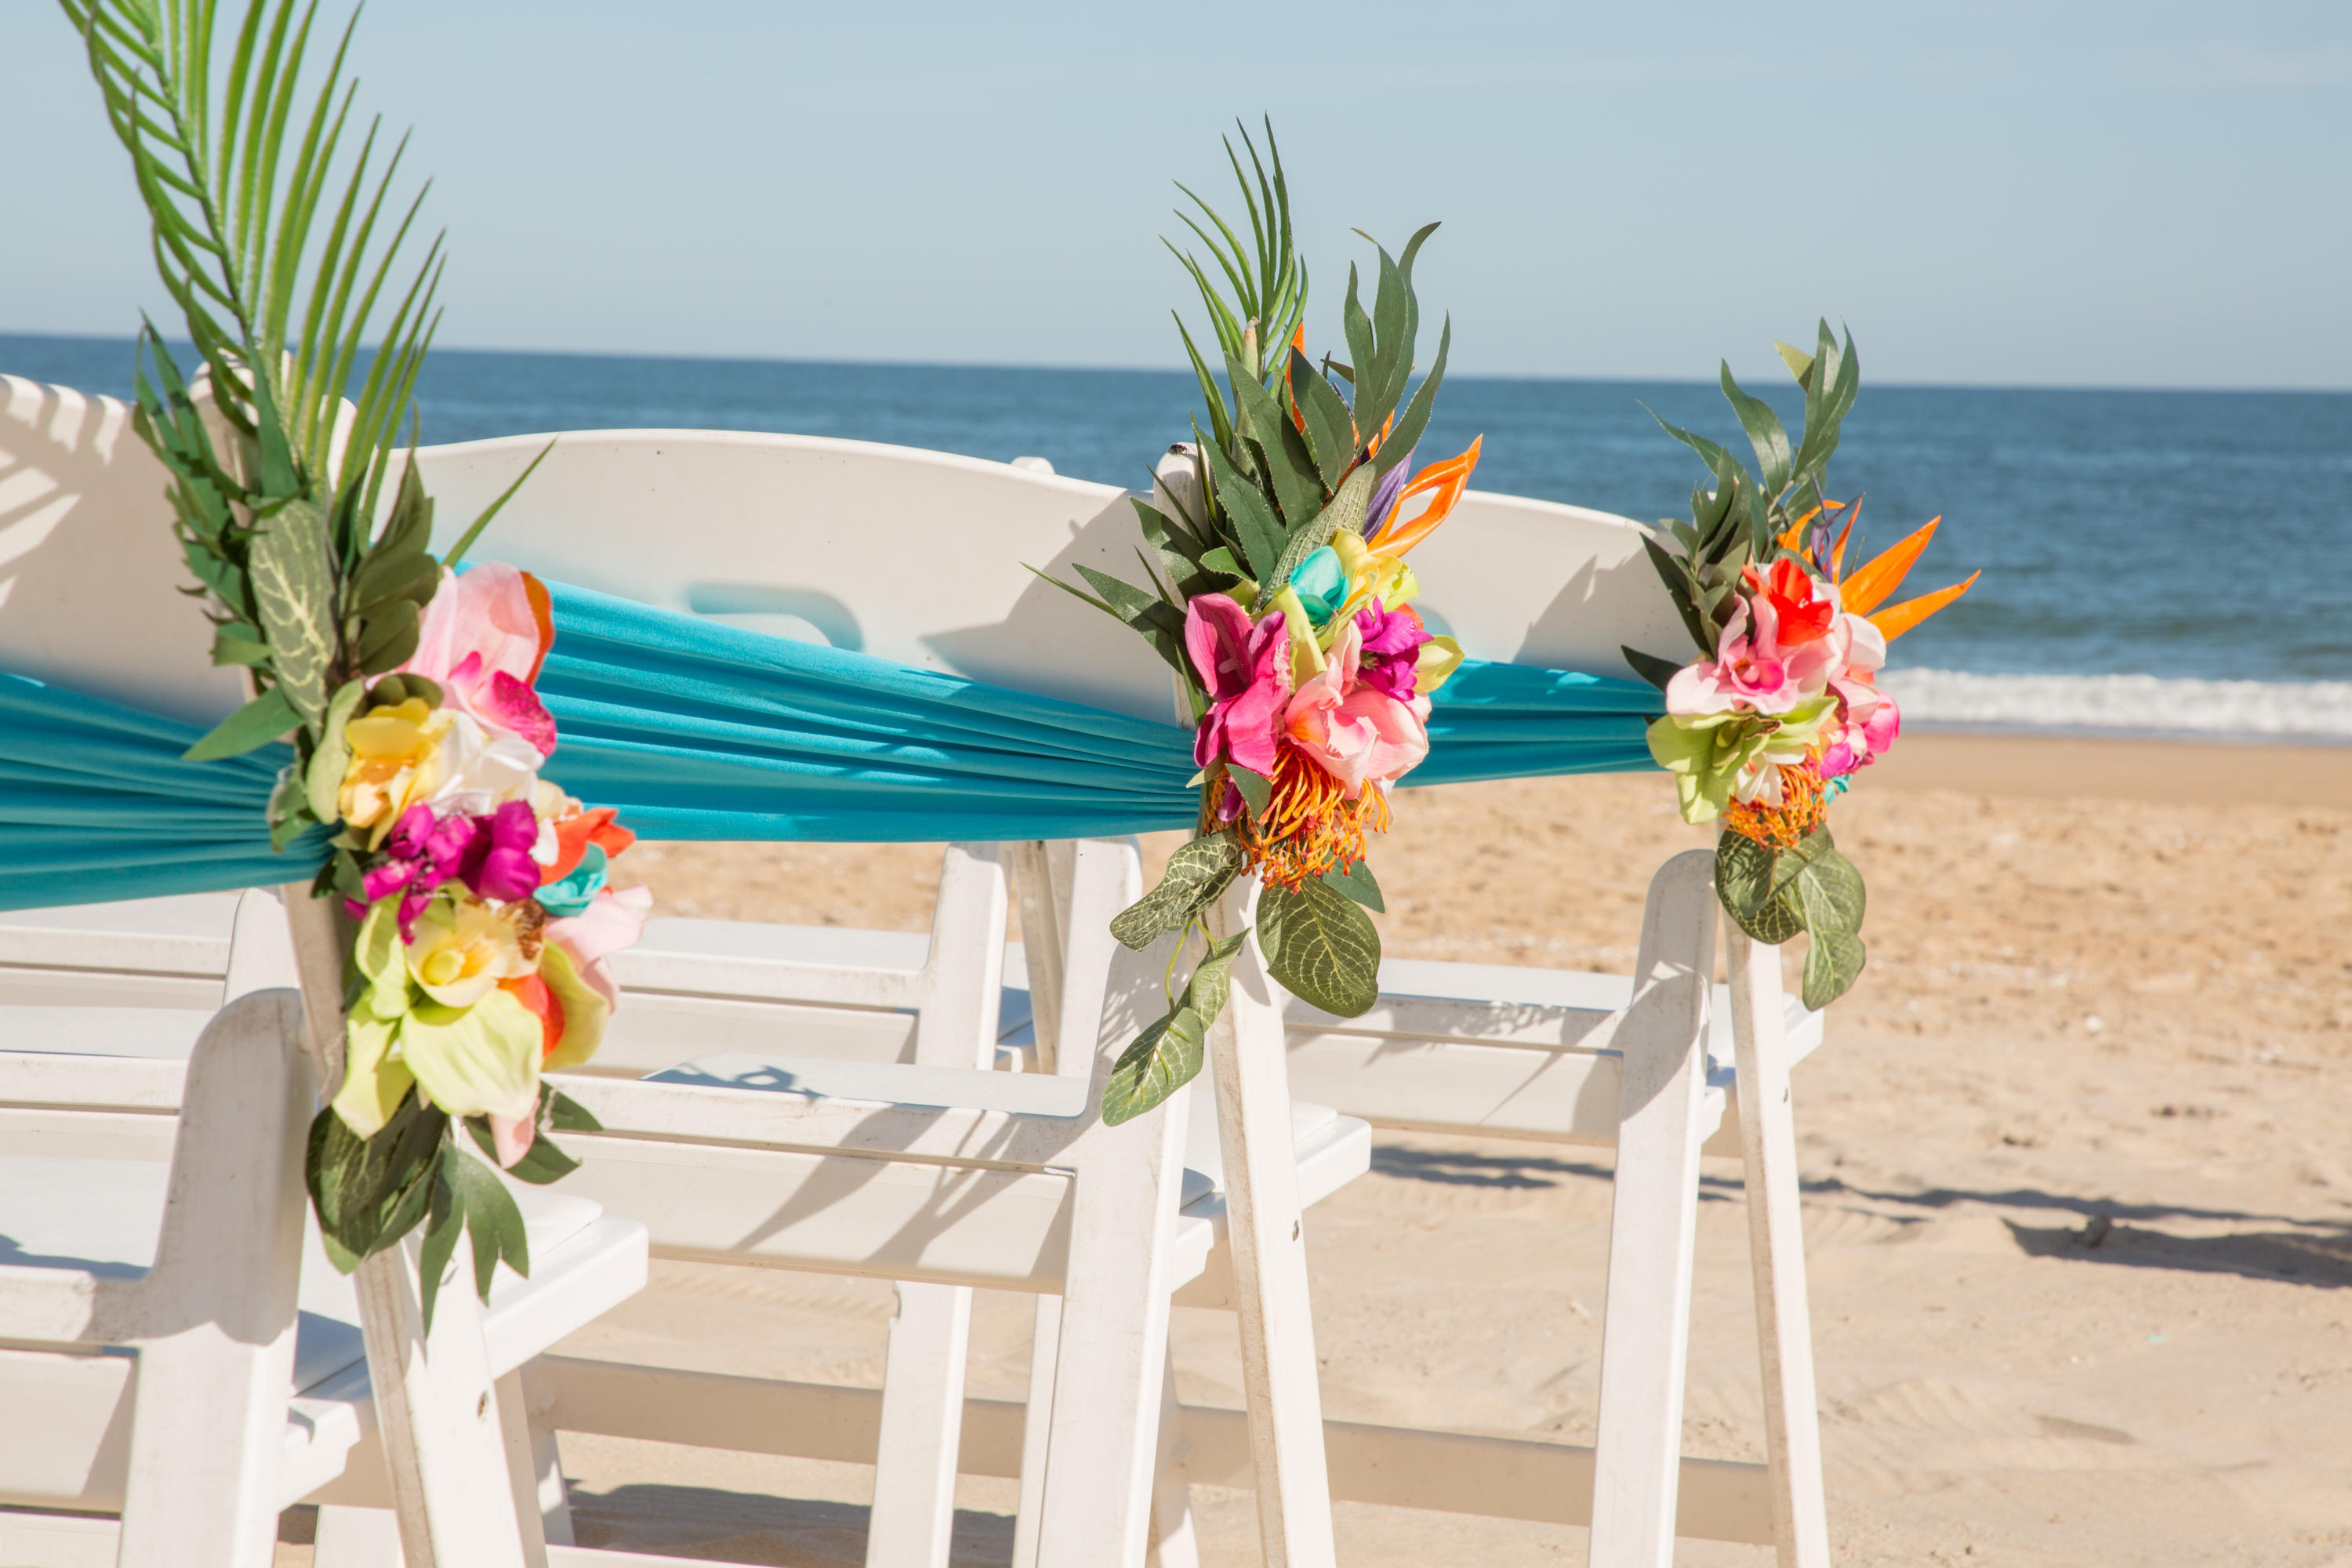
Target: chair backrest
x=698 y=986
x=90 y=576
x=923 y=557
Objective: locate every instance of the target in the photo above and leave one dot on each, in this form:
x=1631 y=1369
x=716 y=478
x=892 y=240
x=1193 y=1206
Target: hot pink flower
x=498 y=864
x=1247 y=671
x=1357 y=733
x=1392 y=648
x=421 y=852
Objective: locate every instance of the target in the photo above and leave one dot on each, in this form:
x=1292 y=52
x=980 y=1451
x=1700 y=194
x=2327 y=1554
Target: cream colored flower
x=463 y=950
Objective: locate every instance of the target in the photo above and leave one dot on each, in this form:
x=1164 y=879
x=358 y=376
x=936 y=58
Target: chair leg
x=435 y=1407
x=355 y=1537
x=922 y=1424
x=1654 y=1223
x=1776 y=1252
x=1104 y=1421
x=1172 y=1542
x=433 y=1391
x=535 y=1471
x=1266 y=1231
x=1037 y=1430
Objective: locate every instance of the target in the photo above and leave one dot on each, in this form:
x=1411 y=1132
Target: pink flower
x=613 y=920
x=1884 y=725
x=484 y=637
x=1746 y=671
x=1752 y=670
x=1246 y=669
x=1354 y=731
x=1870 y=730
x=500 y=703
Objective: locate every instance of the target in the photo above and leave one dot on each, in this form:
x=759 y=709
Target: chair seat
x=103 y=1217
x=1332 y=1150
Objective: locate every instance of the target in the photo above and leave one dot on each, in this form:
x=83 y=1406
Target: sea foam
x=2320 y=710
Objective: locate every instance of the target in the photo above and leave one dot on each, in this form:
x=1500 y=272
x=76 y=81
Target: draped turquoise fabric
x=695 y=729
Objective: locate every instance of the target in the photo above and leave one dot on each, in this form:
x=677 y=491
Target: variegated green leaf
x=1322 y=946
x=1196 y=873
x=293 y=582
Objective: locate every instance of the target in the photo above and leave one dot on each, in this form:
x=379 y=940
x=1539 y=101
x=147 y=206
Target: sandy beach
x=2077 y=1204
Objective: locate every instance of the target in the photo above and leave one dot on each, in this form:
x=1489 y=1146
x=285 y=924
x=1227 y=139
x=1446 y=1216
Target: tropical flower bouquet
x=478 y=919
x=1782 y=710
x=1280 y=594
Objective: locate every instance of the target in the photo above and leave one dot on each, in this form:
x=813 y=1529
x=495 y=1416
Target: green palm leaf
x=282 y=248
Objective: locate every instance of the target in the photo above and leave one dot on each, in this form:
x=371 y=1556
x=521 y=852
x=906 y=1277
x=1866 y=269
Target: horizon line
x=1185 y=371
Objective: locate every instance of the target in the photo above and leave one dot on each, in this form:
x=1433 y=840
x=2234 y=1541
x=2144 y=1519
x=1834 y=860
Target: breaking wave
x=2313 y=711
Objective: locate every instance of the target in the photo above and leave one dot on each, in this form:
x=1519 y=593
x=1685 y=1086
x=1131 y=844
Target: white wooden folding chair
x=92 y=602
x=165 y=1186
x=920 y=557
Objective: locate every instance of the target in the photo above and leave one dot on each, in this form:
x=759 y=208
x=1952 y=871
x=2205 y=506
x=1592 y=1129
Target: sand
x=2077 y=1202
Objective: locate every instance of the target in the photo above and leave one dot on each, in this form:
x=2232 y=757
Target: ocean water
x=2153 y=560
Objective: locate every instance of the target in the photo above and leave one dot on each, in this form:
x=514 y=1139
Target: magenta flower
x=1246 y=669
x=498 y=863
x=421 y=852
x=1392 y=650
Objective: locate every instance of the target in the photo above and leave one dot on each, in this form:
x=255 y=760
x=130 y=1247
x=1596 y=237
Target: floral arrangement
x=1280 y=594
x=479 y=917
x=1782 y=711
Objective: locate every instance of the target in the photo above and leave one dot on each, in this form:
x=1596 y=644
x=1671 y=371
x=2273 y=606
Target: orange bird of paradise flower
x=1866 y=590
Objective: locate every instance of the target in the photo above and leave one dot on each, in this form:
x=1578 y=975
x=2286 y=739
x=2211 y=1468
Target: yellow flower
x=1371 y=574
x=463 y=950
x=395 y=762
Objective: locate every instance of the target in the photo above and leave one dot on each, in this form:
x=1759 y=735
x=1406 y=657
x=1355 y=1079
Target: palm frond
x=1267 y=278
x=238 y=167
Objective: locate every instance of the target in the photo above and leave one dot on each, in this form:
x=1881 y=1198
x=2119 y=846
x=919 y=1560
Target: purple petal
x=1384 y=495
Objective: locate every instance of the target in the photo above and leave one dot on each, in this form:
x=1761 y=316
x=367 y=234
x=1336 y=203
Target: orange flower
x=1443 y=484
x=1308 y=827
x=575 y=833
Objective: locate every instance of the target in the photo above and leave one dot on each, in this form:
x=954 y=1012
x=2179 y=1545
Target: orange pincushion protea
x=1804 y=806
x=1308 y=827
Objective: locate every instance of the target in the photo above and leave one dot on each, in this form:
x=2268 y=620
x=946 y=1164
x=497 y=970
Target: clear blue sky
x=2078 y=193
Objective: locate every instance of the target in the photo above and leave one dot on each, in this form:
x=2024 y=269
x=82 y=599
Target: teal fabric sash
x=696 y=729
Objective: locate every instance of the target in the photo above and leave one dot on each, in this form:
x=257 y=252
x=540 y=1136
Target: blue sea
x=2153 y=560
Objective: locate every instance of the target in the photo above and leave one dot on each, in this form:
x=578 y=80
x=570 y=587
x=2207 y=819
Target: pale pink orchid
x=483 y=639
x=615 y=918
x=1357 y=733
x=1247 y=672
x=1746 y=673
